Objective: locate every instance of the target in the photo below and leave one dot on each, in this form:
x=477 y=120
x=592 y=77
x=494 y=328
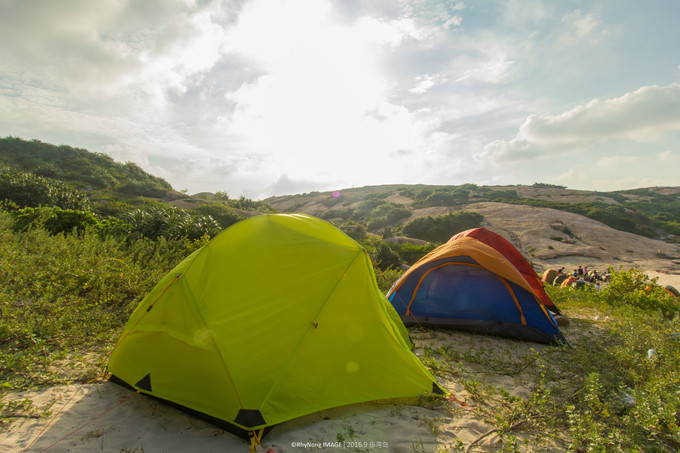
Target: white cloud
x=643 y=115
x=616 y=161
x=453 y=21
x=526 y=13
x=110 y=48
x=427 y=81
x=491 y=67
x=666 y=155
x=580 y=25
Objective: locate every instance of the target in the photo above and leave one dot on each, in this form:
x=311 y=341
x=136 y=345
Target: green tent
x=277 y=317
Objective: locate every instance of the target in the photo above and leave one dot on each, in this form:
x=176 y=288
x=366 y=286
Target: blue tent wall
x=458 y=292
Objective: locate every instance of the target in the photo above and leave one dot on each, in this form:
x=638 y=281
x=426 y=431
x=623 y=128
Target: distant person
x=580 y=272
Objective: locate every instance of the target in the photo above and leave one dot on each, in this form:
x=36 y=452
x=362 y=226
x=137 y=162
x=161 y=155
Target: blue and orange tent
x=471 y=285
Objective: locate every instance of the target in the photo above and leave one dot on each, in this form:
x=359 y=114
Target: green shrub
x=65 y=297
x=83 y=169
x=636 y=289
x=223 y=214
x=354 y=230
x=386 y=214
x=381 y=254
x=29 y=190
x=54 y=219
x=388 y=277
x=410 y=253
x=441 y=197
x=385 y=257
x=250 y=205
x=441 y=228
x=170 y=222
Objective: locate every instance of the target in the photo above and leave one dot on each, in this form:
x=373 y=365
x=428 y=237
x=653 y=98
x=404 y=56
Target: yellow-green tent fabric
x=277 y=317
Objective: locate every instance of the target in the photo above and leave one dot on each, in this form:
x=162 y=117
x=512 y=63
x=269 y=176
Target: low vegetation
x=65 y=297
x=82 y=169
x=614 y=388
x=441 y=228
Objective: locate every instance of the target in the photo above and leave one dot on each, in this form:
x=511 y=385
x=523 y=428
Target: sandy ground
x=105 y=417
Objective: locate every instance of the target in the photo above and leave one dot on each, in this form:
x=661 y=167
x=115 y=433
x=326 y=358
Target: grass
x=603 y=393
x=65 y=298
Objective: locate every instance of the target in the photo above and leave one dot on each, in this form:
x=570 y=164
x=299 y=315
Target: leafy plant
x=63 y=299
x=54 y=219
x=441 y=228
x=170 y=222
x=25 y=189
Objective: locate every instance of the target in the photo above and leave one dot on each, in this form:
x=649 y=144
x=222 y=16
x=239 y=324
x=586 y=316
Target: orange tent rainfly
x=477 y=281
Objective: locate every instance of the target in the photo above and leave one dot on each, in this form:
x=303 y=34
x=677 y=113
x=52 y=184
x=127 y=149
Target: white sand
x=106 y=417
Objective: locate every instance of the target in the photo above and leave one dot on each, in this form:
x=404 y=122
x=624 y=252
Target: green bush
x=636 y=289
x=387 y=278
x=83 y=169
x=29 y=190
x=441 y=197
x=386 y=214
x=441 y=228
x=354 y=230
x=250 y=205
x=381 y=254
x=220 y=212
x=170 y=222
x=410 y=253
x=54 y=220
x=64 y=299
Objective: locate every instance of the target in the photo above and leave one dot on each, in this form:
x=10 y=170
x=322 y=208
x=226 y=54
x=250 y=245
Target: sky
x=258 y=98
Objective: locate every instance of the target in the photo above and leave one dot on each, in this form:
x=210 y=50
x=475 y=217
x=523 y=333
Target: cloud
x=666 y=155
x=616 y=161
x=287 y=185
x=642 y=115
x=427 y=81
x=111 y=47
x=526 y=13
x=482 y=62
x=579 y=25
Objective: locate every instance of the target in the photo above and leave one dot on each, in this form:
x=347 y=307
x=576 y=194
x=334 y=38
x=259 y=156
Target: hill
x=61 y=188
x=84 y=170
x=651 y=212
x=551 y=225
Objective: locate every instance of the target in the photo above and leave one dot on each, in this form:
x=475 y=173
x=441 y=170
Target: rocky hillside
x=542 y=221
